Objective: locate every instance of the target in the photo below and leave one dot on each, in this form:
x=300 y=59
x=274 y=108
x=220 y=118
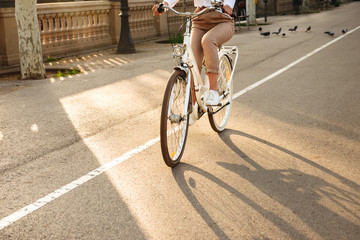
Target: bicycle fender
x=186 y=70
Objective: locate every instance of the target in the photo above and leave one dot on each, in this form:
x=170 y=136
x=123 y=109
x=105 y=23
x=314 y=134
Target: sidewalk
x=87 y=62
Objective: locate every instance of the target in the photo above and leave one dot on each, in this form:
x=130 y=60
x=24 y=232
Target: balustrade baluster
x=98 y=23
x=91 y=23
x=62 y=27
x=68 y=27
x=42 y=28
x=83 y=24
x=49 y=28
x=45 y=30
x=87 y=24
x=52 y=22
x=104 y=22
x=73 y=26
x=78 y=27
x=57 y=28
x=95 y=23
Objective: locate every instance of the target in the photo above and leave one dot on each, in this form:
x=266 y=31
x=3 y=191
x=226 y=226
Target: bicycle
x=177 y=101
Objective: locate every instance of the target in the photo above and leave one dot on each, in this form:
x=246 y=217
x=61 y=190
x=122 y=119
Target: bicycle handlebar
x=162 y=7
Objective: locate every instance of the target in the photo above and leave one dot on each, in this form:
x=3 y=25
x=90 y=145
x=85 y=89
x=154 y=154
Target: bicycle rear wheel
x=219 y=116
x=174 y=123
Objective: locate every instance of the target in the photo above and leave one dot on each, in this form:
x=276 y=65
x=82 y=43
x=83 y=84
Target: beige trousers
x=208 y=32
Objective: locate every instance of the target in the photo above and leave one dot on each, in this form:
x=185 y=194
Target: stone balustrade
x=68 y=28
x=72 y=26
x=141 y=20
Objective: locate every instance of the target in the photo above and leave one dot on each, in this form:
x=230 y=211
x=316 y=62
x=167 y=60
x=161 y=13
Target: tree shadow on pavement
x=47 y=134
x=302 y=193
x=42 y=150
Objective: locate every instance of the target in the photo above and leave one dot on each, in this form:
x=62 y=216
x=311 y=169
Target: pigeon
x=260 y=29
x=344 y=31
x=308 y=29
x=265 y=34
x=278 y=31
x=293 y=29
x=330 y=33
x=284 y=34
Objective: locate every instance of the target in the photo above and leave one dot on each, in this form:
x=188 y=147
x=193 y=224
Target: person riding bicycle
x=208 y=32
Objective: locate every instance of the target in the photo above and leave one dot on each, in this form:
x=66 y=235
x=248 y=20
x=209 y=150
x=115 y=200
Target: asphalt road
x=287 y=167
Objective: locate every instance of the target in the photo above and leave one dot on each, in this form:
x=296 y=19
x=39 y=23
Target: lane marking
x=78 y=182
x=271 y=76
x=74 y=184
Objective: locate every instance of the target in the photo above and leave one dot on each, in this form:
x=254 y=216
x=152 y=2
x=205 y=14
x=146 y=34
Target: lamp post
x=265 y=2
x=126 y=44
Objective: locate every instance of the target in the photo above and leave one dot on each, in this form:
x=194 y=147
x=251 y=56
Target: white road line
x=74 y=184
x=291 y=65
x=78 y=182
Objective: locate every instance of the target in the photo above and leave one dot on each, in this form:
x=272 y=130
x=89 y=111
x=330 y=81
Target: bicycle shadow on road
x=308 y=196
x=186 y=187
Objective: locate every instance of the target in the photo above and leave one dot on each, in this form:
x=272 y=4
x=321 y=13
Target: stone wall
x=68 y=28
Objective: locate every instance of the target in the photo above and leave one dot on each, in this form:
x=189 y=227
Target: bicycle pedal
x=218 y=109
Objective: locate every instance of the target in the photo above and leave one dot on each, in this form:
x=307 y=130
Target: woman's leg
x=218 y=35
x=196 y=37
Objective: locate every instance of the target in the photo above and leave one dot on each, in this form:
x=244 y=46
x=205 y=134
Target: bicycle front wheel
x=219 y=117
x=174 y=122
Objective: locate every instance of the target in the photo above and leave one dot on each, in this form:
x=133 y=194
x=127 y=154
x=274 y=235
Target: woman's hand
x=228 y=9
x=155 y=9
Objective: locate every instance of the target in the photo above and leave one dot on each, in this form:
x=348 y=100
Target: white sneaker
x=194 y=114
x=212 y=98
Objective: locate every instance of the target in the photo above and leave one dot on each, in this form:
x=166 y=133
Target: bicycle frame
x=189 y=65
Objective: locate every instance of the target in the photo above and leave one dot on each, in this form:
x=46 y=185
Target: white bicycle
x=177 y=101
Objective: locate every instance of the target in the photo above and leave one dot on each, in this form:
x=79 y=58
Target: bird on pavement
x=330 y=33
x=284 y=34
x=308 y=29
x=293 y=29
x=277 y=32
x=344 y=31
x=260 y=29
x=265 y=34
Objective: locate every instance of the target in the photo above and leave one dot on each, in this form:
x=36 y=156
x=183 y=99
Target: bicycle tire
x=173 y=123
x=219 y=120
